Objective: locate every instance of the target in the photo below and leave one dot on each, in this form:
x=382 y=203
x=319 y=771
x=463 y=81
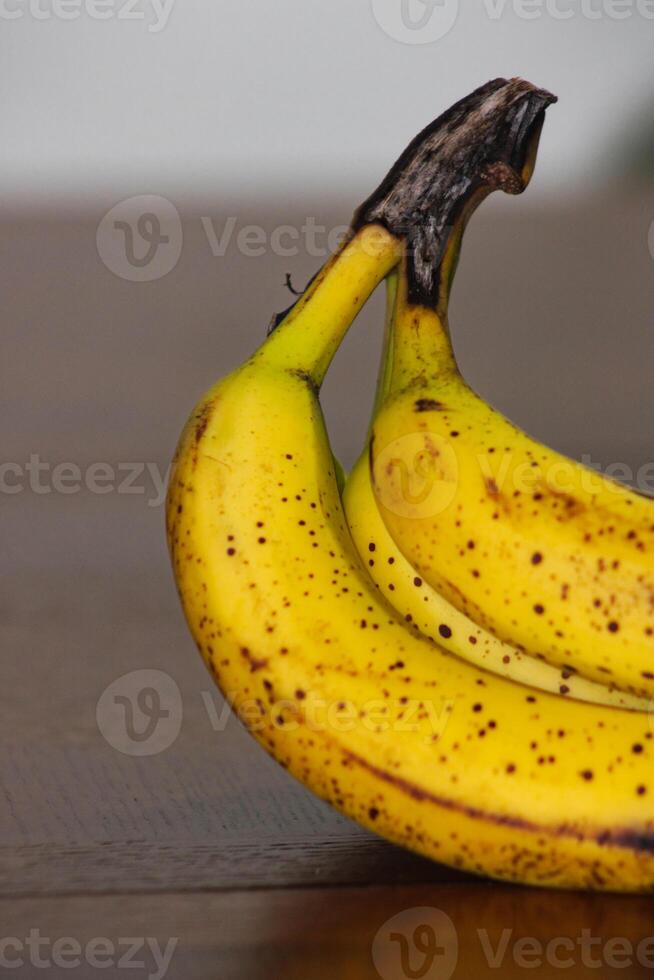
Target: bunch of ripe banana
x=455 y=649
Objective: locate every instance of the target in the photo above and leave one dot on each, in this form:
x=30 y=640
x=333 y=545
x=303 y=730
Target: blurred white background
x=193 y=98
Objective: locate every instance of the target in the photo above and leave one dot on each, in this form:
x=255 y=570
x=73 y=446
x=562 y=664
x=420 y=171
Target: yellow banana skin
x=540 y=551
x=417 y=602
x=421 y=747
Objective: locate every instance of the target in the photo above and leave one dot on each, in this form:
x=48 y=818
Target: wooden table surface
x=202 y=847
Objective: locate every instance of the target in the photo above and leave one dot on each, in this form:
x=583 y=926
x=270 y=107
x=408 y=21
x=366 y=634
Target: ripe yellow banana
x=544 y=553
x=442 y=622
x=427 y=750
x=420 y=604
